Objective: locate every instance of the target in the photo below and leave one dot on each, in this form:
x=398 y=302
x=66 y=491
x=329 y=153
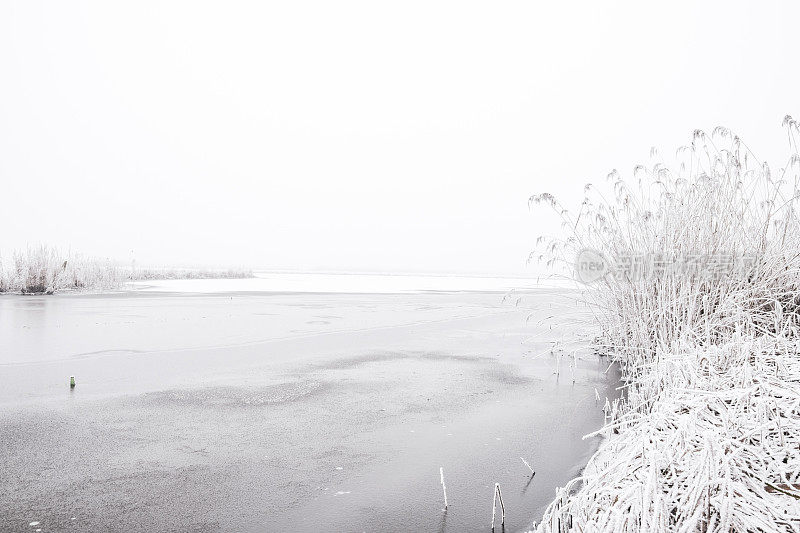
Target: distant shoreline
x=46 y=270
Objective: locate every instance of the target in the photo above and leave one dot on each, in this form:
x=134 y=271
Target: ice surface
x=250 y=411
x=338 y=283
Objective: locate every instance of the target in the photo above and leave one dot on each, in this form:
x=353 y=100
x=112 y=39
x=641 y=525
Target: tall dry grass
x=706 y=437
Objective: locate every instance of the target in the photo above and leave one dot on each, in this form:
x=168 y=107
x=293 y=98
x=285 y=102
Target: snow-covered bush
x=698 y=297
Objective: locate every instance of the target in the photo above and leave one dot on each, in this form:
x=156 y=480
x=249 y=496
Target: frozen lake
x=229 y=406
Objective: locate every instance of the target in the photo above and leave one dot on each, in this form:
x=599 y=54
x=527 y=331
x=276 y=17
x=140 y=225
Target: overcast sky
x=388 y=136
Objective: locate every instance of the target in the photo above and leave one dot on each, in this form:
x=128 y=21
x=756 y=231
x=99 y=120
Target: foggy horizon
x=357 y=137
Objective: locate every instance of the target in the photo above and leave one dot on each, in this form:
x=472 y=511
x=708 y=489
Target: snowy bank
x=708 y=440
x=693 y=270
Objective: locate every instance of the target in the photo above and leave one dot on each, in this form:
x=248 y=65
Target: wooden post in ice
x=498 y=496
x=444 y=489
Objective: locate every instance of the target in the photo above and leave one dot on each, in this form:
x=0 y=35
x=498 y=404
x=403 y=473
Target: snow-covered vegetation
x=142 y=274
x=45 y=270
x=699 y=302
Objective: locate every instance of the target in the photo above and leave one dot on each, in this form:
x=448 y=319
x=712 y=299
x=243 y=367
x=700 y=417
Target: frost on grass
x=707 y=435
x=45 y=270
x=708 y=441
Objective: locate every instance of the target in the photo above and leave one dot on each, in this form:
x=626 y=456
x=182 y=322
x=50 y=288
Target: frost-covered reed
x=707 y=333
x=46 y=270
x=144 y=274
